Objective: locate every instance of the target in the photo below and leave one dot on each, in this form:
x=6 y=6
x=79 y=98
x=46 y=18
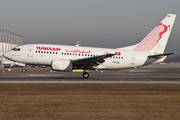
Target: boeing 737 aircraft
x=66 y=58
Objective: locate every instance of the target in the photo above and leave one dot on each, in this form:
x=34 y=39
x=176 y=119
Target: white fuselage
x=43 y=54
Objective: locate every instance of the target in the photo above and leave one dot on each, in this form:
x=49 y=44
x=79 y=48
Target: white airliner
x=66 y=58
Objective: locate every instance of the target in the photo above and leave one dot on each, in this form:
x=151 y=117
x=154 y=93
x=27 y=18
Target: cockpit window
x=16 y=49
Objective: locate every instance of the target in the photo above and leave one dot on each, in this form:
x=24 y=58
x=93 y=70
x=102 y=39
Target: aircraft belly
x=44 y=60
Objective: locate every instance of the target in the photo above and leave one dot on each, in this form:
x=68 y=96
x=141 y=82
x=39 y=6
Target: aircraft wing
x=91 y=61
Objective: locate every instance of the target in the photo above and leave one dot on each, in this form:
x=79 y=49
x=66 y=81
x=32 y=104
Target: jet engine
x=61 y=65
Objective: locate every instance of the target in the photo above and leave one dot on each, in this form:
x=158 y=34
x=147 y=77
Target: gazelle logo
x=164 y=31
x=152 y=39
x=56 y=65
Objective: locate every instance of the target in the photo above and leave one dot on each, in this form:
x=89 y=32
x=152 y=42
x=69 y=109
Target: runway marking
x=94 y=82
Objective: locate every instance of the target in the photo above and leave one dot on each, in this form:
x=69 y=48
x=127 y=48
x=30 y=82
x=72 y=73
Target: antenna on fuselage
x=78 y=43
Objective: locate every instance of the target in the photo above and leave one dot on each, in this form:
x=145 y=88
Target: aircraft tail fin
x=155 y=42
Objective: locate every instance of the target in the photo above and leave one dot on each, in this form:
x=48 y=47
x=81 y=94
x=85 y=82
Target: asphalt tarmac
x=157 y=96
x=158 y=73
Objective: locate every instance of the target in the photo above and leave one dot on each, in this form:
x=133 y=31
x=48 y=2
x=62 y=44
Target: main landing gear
x=85 y=74
x=23 y=70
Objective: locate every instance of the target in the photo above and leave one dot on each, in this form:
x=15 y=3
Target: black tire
x=23 y=70
x=85 y=74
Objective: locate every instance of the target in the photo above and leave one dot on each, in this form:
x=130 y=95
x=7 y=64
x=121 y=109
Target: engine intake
x=61 y=65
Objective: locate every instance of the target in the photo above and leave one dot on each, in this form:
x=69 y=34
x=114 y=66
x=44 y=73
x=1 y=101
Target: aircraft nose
x=7 y=54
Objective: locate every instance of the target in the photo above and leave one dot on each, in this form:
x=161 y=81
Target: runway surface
x=159 y=73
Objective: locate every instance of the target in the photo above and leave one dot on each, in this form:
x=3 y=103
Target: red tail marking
x=152 y=39
x=164 y=31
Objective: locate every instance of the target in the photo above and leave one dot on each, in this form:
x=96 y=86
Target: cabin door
x=133 y=59
x=30 y=51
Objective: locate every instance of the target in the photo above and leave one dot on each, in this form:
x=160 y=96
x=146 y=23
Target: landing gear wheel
x=85 y=74
x=23 y=70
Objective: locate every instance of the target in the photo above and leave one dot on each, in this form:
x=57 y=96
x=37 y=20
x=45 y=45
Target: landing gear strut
x=85 y=74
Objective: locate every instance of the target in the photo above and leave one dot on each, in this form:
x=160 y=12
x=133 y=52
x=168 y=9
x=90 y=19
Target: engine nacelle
x=61 y=65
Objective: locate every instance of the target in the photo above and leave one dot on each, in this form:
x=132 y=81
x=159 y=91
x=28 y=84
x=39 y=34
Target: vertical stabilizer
x=155 y=42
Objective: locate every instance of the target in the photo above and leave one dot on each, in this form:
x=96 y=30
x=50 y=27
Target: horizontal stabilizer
x=160 y=55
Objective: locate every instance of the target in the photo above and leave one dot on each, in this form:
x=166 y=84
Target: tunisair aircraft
x=67 y=58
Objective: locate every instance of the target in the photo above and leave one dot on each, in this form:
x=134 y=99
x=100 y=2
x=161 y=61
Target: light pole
x=0 y=42
x=6 y=40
